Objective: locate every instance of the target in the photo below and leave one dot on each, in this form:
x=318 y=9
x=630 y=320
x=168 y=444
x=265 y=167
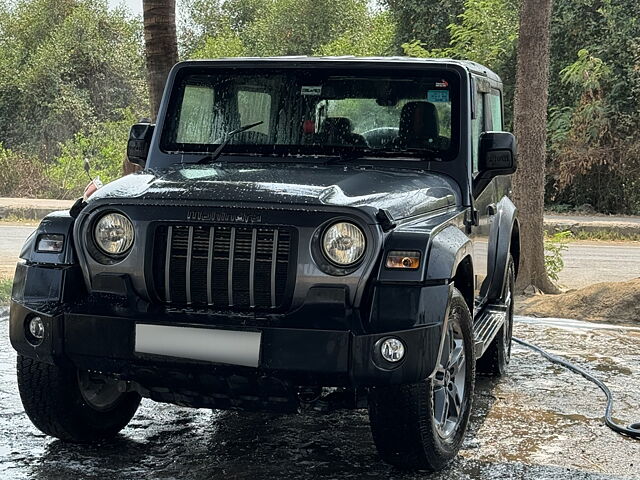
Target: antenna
x=87 y=168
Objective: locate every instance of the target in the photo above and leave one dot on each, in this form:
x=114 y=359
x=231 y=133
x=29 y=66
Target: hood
x=403 y=193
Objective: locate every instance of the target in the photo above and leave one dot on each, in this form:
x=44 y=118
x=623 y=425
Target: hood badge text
x=223 y=217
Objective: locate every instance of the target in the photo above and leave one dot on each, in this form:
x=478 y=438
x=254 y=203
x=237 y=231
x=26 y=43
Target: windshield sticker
x=311 y=90
x=442 y=84
x=438 y=96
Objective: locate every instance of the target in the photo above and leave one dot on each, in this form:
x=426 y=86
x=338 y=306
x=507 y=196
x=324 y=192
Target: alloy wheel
x=448 y=384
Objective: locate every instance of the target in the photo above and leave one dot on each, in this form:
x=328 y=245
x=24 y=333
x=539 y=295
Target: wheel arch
x=501 y=244
x=447 y=250
x=463 y=280
x=515 y=245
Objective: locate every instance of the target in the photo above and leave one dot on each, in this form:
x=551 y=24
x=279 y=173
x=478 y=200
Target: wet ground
x=539 y=422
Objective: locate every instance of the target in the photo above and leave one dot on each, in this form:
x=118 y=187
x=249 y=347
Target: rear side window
x=495 y=100
x=477 y=127
x=196 y=115
x=255 y=107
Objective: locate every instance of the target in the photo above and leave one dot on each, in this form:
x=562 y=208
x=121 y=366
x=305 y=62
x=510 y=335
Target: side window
x=477 y=127
x=496 y=111
x=255 y=106
x=196 y=115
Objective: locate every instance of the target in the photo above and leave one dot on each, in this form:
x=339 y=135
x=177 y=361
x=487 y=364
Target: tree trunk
x=530 y=125
x=161 y=51
x=161 y=46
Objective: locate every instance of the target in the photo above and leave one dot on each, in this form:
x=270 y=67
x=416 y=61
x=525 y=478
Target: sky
x=135 y=6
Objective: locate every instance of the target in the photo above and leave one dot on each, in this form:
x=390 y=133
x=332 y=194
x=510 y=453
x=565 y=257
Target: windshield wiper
x=381 y=154
x=226 y=138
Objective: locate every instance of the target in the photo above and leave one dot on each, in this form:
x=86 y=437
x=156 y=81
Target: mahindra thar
x=305 y=233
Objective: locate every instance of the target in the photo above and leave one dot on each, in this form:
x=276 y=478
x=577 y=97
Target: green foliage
x=298 y=27
x=104 y=145
x=218 y=28
x=489 y=39
x=594 y=150
x=587 y=73
x=554 y=245
x=215 y=19
x=21 y=175
x=486 y=39
x=227 y=43
x=6 y=284
x=376 y=38
x=65 y=65
x=426 y=21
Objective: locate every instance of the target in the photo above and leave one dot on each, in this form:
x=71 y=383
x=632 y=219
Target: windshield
x=313 y=111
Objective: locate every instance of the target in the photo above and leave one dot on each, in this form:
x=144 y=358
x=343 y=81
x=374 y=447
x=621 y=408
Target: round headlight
x=343 y=243
x=113 y=234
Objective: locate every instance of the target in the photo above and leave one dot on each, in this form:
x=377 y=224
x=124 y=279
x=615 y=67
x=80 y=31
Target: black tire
x=402 y=417
x=54 y=402
x=496 y=358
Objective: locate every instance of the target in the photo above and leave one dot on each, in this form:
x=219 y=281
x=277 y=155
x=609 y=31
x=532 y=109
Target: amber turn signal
x=405 y=260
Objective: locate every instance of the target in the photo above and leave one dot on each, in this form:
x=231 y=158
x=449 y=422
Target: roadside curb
x=37 y=209
x=623 y=230
x=31 y=208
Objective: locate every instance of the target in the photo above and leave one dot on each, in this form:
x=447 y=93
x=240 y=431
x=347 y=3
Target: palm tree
x=530 y=125
x=161 y=45
x=161 y=51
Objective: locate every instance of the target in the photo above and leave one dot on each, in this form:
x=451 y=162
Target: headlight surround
x=343 y=243
x=113 y=234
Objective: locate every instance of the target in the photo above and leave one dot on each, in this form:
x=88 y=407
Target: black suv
x=306 y=233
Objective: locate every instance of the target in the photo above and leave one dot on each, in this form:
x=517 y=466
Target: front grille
x=222 y=266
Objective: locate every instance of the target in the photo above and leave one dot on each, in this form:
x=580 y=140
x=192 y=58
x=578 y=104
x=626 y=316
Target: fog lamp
x=392 y=350
x=36 y=329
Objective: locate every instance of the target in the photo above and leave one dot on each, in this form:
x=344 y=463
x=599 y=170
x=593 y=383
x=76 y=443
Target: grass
x=603 y=235
x=15 y=219
x=606 y=235
x=5 y=289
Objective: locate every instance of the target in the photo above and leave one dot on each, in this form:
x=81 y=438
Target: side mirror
x=139 y=143
x=497 y=154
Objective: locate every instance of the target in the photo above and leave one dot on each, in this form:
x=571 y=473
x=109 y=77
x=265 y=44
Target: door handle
x=492 y=209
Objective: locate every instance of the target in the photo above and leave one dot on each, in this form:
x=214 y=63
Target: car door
x=484 y=201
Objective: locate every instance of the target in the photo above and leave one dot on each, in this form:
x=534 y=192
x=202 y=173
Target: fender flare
x=500 y=247
x=60 y=223
x=447 y=249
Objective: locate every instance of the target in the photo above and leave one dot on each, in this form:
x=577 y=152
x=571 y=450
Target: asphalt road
x=539 y=422
x=585 y=262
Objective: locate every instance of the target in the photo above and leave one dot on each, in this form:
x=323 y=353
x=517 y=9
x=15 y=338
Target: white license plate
x=220 y=346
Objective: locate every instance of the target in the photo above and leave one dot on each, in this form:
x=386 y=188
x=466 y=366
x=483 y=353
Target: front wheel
x=422 y=425
x=71 y=404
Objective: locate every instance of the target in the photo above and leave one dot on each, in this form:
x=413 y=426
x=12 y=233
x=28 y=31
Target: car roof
x=468 y=65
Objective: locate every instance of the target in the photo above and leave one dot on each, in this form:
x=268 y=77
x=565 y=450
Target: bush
x=21 y=176
x=104 y=145
x=554 y=245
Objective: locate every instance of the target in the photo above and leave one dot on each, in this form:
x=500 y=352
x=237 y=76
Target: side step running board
x=487 y=326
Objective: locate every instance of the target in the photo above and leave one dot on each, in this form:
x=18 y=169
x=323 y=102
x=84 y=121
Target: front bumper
x=298 y=356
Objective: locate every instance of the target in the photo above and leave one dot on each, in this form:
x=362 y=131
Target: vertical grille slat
x=274 y=264
x=167 y=266
x=210 y=266
x=252 y=268
x=232 y=248
x=188 y=266
x=226 y=266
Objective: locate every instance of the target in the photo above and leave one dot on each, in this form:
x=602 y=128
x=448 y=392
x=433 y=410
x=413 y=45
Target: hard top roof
x=472 y=67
